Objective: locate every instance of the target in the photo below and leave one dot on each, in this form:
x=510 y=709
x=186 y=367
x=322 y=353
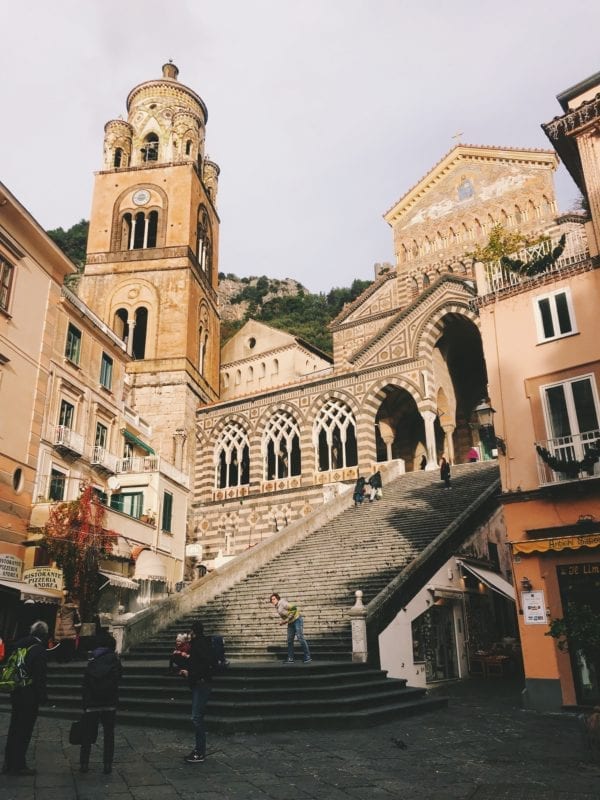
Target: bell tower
x=152 y=262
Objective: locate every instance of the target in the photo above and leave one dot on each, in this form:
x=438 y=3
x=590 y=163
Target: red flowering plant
x=76 y=539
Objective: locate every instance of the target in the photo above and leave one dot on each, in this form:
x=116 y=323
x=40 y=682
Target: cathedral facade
x=407 y=370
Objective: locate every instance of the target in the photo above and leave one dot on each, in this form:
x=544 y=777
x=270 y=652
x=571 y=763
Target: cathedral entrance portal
x=399 y=428
x=461 y=378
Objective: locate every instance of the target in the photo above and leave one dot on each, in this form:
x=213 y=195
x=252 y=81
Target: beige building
x=90 y=434
x=540 y=336
x=32 y=271
x=407 y=372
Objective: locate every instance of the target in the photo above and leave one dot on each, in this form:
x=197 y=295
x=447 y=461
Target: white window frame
x=571 y=411
x=551 y=297
x=65 y=473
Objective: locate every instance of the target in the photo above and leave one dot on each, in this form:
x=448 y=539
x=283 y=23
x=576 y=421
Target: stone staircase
x=249 y=697
x=364 y=548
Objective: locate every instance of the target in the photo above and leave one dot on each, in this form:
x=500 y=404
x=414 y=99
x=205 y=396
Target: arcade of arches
x=259 y=454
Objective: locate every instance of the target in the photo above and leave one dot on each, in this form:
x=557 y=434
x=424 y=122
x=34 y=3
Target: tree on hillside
x=73 y=242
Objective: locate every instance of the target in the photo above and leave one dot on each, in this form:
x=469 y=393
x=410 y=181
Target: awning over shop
x=121 y=548
x=150 y=567
x=131 y=437
x=557 y=544
x=114 y=579
x=29 y=592
x=491 y=579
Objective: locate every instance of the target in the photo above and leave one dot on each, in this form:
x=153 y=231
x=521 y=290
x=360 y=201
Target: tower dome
x=167 y=120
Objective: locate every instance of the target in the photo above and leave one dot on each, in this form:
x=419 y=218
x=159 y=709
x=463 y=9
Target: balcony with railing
x=498 y=277
x=569 y=458
x=154 y=463
x=101 y=459
x=67 y=440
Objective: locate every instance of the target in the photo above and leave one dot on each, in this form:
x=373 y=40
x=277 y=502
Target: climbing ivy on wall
x=76 y=539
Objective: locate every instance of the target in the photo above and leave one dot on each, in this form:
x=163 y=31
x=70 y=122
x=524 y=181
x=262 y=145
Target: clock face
x=141 y=197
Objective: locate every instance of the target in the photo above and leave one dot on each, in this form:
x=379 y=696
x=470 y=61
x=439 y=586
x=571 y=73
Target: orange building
x=540 y=336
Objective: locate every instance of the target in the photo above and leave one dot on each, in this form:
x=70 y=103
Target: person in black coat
x=26 y=700
x=199 y=671
x=100 y=695
x=375 y=483
x=445 y=472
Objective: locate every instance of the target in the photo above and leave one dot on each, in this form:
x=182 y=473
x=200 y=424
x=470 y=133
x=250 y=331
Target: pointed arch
x=232 y=456
x=334 y=436
x=280 y=446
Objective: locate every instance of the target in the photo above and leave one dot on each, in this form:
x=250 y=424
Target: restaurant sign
x=534 y=607
x=44 y=577
x=10 y=567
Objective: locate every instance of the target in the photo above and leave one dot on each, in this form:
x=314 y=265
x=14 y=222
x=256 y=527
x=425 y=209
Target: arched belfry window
x=139 y=230
x=150 y=148
x=281 y=447
x=118 y=159
x=139 y=333
x=121 y=324
x=188 y=147
x=334 y=437
x=202 y=347
x=204 y=246
x=232 y=458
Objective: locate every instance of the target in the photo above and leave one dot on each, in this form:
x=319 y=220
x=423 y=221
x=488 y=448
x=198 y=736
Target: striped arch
x=322 y=399
x=432 y=328
x=263 y=420
x=374 y=397
x=376 y=394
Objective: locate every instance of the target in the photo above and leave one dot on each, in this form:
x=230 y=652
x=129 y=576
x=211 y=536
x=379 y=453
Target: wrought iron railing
x=152 y=464
x=68 y=439
x=498 y=277
x=102 y=458
x=569 y=452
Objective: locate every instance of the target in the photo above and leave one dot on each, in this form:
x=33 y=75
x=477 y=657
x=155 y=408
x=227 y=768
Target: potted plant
x=579 y=633
x=76 y=539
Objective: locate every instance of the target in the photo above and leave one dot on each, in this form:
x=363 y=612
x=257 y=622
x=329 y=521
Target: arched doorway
x=461 y=351
x=399 y=428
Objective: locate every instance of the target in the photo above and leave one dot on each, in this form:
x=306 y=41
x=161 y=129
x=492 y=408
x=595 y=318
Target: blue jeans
x=200 y=695
x=296 y=630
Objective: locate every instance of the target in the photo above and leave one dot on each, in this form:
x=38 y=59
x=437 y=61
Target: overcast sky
x=322 y=113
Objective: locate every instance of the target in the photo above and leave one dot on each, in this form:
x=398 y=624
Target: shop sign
x=579 y=570
x=575 y=542
x=44 y=577
x=10 y=567
x=534 y=607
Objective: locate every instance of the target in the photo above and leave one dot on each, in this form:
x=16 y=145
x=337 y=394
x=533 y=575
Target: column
x=449 y=442
x=429 y=420
x=179 y=438
x=130 y=332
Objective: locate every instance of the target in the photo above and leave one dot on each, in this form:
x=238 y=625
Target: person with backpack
x=100 y=694
x=28 y=692
x=199 y=671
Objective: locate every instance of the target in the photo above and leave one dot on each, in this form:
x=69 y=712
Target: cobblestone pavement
x=483 y=747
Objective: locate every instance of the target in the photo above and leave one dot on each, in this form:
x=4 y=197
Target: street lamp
x=491 y=442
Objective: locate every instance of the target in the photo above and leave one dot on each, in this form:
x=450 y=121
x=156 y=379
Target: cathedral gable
x=381 y=301
x=399 y=339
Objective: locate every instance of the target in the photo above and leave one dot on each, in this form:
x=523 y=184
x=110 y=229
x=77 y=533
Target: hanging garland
x=539 y=265
x=569 y=466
